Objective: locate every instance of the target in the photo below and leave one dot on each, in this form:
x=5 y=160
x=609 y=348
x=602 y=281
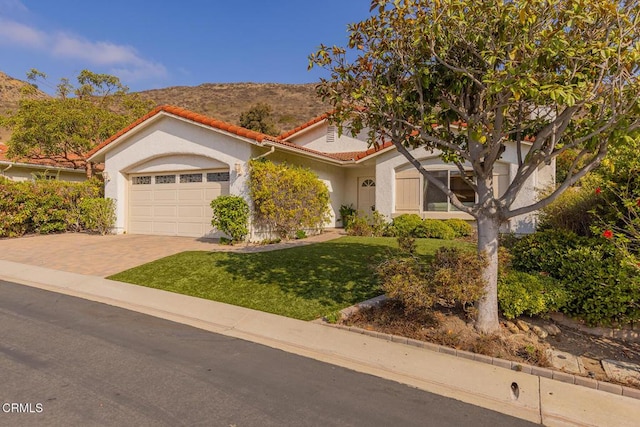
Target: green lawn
x=304 y=282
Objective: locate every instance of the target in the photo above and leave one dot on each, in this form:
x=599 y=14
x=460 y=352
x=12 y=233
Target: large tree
x=563 y=73
x=64 y=128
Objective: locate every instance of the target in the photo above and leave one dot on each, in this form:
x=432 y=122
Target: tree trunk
x=488 y=229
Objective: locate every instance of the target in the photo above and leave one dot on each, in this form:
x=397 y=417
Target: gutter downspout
x=271 y=151
x=7 y=168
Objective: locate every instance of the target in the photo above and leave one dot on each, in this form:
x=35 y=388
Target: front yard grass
x=305 y=282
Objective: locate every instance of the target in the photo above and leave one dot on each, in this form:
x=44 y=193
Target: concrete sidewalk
x=531 y=397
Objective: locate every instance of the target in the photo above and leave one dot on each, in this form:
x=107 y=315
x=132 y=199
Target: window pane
x=141 y=180
x=217 y=176
x=165 y=179
x=434 y=199
x=186 y=178
x=461 y=189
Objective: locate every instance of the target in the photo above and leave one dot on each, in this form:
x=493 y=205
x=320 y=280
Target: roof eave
x=45 y=167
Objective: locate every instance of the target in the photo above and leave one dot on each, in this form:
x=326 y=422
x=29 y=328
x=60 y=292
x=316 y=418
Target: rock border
x=616 y=389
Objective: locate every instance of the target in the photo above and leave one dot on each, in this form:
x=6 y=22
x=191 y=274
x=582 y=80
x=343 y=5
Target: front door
x=366 y=195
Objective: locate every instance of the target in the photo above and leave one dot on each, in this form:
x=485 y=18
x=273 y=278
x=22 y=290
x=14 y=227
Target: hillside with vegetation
x=291 y=104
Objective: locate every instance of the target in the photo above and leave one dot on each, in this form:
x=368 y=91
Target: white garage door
x=175 y=203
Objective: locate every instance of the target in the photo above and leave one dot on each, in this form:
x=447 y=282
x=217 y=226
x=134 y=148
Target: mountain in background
x=292 y=104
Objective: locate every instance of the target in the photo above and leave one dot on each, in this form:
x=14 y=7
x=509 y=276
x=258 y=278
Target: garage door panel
x=165 y=195
x=141 y=227
x=191 y=212
x=191 y=194
x=164 y=212
x=141 y=195
x=182 y=209
x=141 y=211
x=169 y=228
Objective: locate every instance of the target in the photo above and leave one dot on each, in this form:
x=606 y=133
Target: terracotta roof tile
x=303 y=126
x=189 y=115
x=52 y=162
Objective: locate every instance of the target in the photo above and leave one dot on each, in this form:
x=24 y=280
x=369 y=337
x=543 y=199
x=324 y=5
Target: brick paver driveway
x=96 y=255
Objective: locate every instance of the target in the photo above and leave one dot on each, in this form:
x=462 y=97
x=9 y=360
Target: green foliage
x=461 y=227
x=436 y=229
x=407 y=225
x=287 y=198
x=65 y=128
x=407 y=244
x=359 y=226
x=572 y=211
x=544 y=251
x=301 y=234
x=532 y=294
x=602 y=288
x=414 y=226
x=405 y=279
x=43 y=206
x=452 y=279
x=98 y=214
x=455 y=277
x=259 y=118
x=347 y=214
x=231 y=216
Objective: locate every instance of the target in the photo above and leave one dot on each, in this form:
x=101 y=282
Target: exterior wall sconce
x=238 y=168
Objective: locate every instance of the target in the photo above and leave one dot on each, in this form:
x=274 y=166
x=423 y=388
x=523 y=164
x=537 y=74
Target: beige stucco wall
x=22 y=173
x=316 y=139
x=391 y=163
x=168 y=144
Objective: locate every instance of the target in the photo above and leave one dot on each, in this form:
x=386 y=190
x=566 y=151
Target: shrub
x=347 y=214
x=532 y=294
x=98 y=214
x=287 y=198
x=301 y=234
x=603 y=291
x=406 y=224
x=436 y=229
x=456 y=278
x=407 y=244
x=571 y=211
x=43 y=206
x=359 y=226
x=231 y=216
x=544 y=251
x=602 y=288
x=404 y=279
x=451 y=280
x=461 y=227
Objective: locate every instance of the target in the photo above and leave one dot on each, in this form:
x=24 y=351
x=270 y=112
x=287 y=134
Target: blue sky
x=159 y=44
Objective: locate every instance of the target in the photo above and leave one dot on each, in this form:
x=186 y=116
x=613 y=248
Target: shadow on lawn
x=331 y=272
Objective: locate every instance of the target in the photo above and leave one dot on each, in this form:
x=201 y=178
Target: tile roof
x=303 y=126
x=50 y=162
x=189 y=115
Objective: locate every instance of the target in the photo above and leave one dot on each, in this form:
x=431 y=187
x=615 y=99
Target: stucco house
x=164 y=169
x=30 y=169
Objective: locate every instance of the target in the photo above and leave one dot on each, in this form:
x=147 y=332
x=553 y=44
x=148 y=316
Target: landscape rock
x=540 y=332
x=552 y=329
x=523 y=325
x=512 y=327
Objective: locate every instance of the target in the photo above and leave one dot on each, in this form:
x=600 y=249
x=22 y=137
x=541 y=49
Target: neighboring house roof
x=37 y=163
x=304 y=126
x=259 y=138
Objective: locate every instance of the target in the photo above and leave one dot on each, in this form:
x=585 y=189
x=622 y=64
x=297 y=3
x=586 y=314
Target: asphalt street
x=68 y=361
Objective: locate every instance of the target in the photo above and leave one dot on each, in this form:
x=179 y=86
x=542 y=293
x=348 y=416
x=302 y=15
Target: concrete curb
x=552 y=374
x=448 y=372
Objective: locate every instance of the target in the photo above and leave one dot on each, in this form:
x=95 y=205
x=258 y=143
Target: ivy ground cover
x=304 y=282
